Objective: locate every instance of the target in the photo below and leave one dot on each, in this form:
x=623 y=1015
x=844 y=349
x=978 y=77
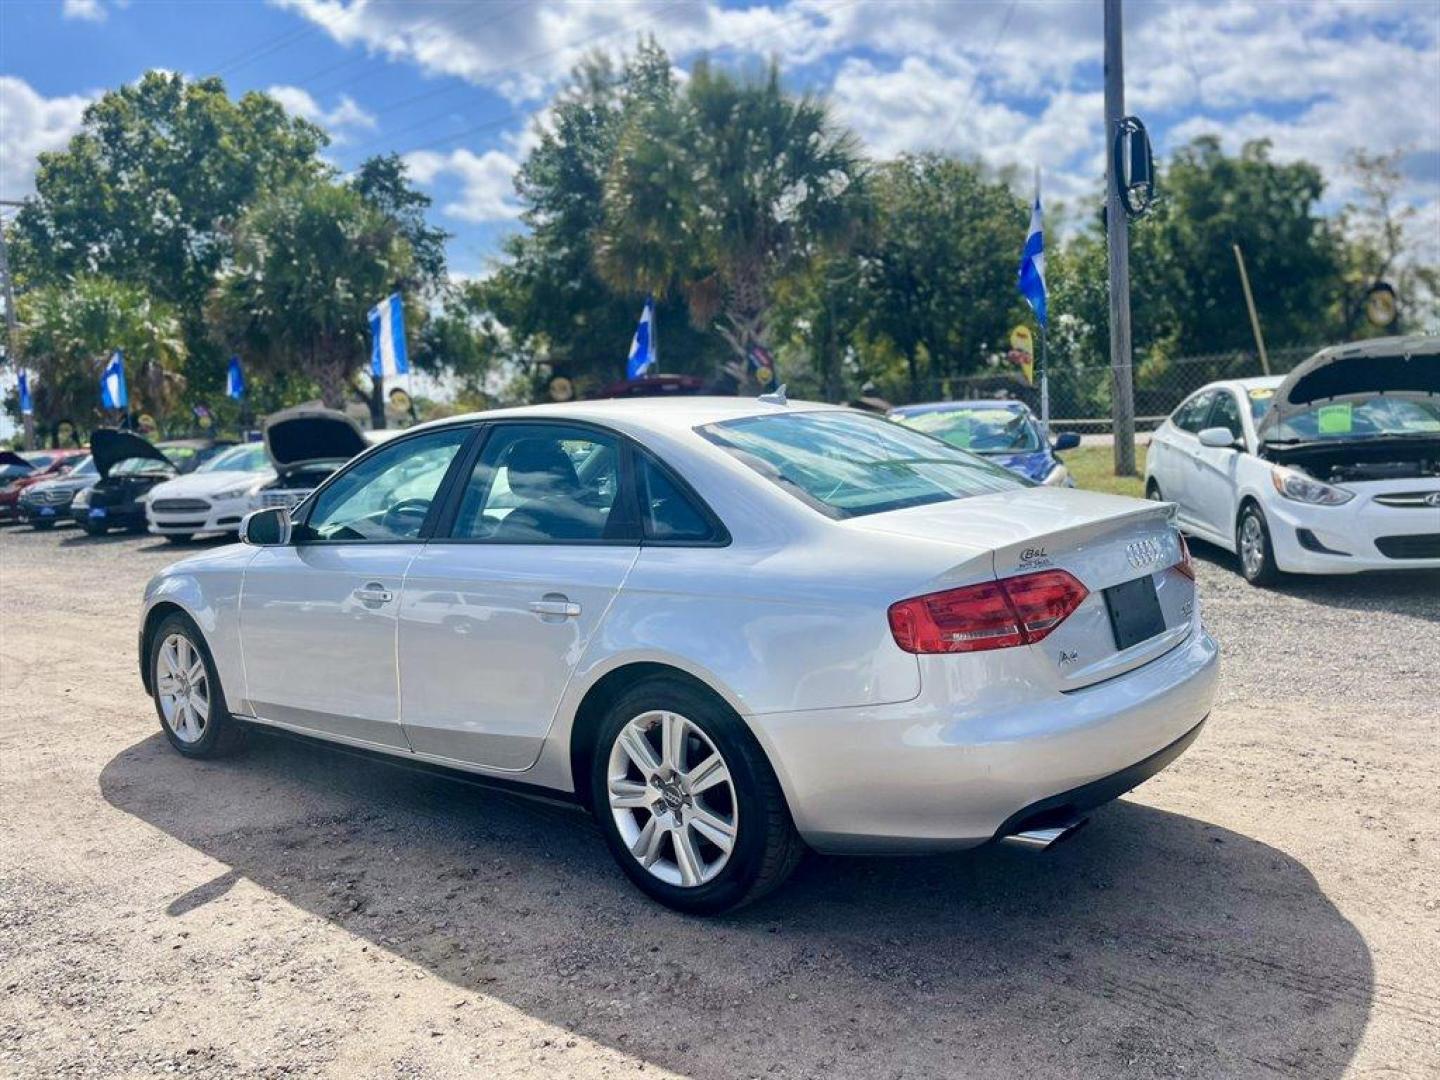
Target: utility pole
x=1117 y=242
x=1250 y=306
x=12 y=330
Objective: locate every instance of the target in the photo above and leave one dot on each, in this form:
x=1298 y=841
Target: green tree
x=150 y=188
x=382 y=181
x=938 y=269
x=555 y=310
x=70 y=330
x=309 y=263
x=723 y=190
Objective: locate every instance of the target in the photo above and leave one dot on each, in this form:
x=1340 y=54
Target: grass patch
x=1094 y=467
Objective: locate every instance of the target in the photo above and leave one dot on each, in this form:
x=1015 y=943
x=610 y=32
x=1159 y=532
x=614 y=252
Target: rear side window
x=1191 y=416
x=666 y=510
x=847 y=464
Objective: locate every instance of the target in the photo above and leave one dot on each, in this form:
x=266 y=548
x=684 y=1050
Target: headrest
x=539 y=469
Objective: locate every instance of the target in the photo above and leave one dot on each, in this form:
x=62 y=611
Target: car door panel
x=489 y=637
x=316 y=655
x=1215 y=478
x=497 y=613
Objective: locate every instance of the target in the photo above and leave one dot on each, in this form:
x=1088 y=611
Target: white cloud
x=345 y=116
x=87 y=10
x=487 y=182
x=29 y=125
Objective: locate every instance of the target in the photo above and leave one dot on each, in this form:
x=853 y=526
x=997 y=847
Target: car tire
x=41 y=526
x=740 y=794
x=1152 y=491
x=179 y=538
x=191 y=703
x=94 y=529
x=1253 y=547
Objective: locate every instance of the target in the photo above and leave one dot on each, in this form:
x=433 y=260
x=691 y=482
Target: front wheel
x=1152 y=491
x=689 y=806
x=1252 y=544
x=187 y=692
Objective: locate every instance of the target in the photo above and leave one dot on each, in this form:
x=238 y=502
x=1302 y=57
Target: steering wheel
x=406 y=516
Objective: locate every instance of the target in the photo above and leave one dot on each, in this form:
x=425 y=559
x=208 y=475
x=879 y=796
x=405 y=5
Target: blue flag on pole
x=1032 y=262
x=235 y=379
x=387 y=337
x=642 y=356
x=113 y=392
x=27 y=407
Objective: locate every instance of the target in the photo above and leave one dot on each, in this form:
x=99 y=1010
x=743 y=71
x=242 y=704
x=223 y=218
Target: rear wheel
x=1252 y=544
x=689 y=806
x=187 y=693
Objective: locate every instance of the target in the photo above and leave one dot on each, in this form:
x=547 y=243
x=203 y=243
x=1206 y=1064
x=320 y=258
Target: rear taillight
x=1186 y=565
x=996 y=615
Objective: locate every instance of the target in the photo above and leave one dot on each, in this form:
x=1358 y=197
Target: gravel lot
x=1269 y=905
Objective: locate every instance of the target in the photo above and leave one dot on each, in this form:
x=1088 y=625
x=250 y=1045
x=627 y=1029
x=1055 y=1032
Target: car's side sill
x=426 y=763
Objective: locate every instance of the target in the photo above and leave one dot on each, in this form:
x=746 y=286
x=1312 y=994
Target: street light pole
x=1117 y=242
x=12 y=330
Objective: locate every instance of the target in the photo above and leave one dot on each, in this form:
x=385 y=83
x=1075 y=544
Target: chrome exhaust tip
x=1046 y=838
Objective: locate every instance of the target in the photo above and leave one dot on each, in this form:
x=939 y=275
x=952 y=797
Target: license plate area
x=1135 y=613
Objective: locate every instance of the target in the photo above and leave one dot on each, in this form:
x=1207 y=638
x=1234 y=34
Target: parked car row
x=179 y=488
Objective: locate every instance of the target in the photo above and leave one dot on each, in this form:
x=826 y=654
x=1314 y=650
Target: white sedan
x=730 y=627
x=1333 y=469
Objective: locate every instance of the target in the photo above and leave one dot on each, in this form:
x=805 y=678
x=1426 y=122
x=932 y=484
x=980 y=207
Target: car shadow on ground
x=1407 y=592
x=1152 y=943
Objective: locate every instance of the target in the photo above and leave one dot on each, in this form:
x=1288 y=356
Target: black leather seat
x=543 y=477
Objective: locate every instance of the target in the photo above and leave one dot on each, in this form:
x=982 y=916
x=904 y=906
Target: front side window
x=1226 y=414
x=386 y=496
x=847 y=464
x=1191 y=416
x=544 y=483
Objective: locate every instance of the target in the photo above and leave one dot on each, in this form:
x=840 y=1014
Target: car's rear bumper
x=929 y=774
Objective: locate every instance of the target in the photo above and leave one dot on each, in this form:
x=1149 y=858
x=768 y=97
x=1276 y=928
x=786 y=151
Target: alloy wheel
x=672 y=798
x=1252 y=545
x=183 y=686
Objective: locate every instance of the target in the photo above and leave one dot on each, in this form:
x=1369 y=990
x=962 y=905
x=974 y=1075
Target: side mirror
x=1066 y=440
x=266 y=528
x=1218 y=438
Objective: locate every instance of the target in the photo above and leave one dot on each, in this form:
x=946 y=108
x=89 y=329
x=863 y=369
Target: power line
x=975 y=83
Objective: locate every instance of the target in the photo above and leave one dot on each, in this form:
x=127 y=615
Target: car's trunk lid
x=1102 y=540
x=309 y=435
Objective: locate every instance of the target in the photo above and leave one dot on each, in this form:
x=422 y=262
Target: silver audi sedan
x=732 y=628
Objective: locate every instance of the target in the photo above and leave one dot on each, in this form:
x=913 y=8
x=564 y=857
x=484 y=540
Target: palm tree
x=722 y=191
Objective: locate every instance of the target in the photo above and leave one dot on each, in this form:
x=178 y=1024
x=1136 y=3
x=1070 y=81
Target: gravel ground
x=1266 y=906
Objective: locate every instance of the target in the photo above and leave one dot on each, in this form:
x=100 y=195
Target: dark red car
x=20 y=471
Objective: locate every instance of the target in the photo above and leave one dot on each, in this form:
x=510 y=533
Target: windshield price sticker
x=1335 y=419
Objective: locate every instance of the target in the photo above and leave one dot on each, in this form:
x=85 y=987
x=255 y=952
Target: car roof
x=659 y=413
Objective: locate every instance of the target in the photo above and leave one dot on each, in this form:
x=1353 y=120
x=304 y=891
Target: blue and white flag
x=27 y=407
x=113 y=392
x=387 y=338
x=1032 y=262
x=235 y=379
x=642 y=347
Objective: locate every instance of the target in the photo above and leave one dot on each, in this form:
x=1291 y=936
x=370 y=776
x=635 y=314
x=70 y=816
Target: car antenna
x=776 y=396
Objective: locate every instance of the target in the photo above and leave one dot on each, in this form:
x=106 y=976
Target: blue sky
x=460 y=87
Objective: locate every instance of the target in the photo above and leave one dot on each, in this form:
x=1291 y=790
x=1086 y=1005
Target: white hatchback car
x=730 y=627
x=1332 y=469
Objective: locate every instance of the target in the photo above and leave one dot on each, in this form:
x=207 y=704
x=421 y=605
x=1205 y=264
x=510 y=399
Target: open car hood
x=309 y=434
x=9 y=457
x=1405 y=367
x=110 y=447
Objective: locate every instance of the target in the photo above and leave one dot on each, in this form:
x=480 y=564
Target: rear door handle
x=373 y=593
x=555 y=604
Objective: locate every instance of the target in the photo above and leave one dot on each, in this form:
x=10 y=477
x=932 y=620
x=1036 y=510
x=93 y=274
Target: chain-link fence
x=1080 y=395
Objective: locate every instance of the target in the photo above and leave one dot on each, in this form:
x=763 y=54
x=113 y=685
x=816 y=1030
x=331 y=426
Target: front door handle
x=556 y=604
x=373 y=593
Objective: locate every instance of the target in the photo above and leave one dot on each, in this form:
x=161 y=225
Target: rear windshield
x=848 y=464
